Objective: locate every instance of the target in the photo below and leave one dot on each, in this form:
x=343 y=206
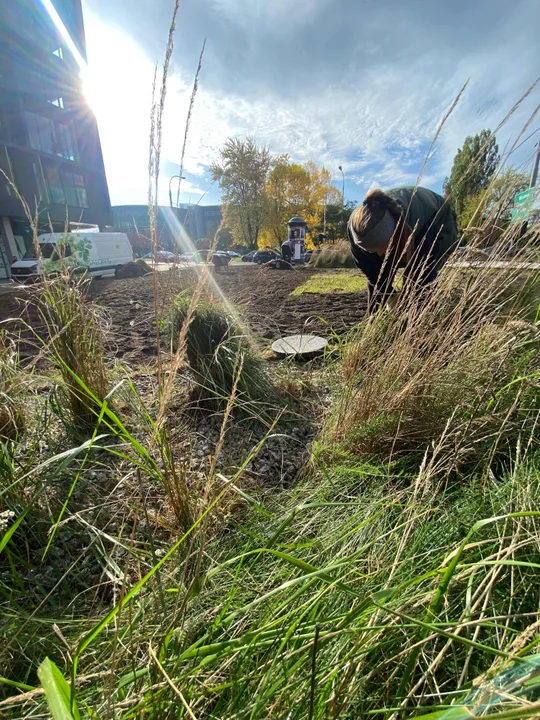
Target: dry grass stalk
x=417 y=368
x=188 y=120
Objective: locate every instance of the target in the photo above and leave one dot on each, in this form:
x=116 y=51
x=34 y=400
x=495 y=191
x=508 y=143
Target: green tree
x=242 y=173
x=224 y=239
x=337 y=218
x=490 y=210
x=473 y=168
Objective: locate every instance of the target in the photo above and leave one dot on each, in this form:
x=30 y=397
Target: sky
x=355 y=83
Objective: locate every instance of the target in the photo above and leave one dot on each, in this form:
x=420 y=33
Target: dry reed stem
x=170 y=683
x=188 y=119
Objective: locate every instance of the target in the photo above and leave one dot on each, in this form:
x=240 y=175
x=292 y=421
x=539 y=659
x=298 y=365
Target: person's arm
x=424 y=266
x=371 y=264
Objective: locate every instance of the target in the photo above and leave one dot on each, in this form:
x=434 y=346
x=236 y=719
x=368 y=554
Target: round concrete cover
x=299 y=345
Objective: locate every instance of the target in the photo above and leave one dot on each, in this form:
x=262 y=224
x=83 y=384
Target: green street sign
x=520 y=215
x=522 y=205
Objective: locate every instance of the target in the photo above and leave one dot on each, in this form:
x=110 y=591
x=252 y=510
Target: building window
x=7 y=177
x=49 y=137
x=40 y=181
x=80 y=189
x=40 y=131
x=66 y=145
x=67 y=188
x=56 y=189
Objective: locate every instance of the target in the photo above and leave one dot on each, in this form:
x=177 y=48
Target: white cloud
x=281 y=15
x=376 y=120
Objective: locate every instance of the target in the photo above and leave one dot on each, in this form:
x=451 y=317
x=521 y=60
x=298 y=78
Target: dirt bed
x=263 y=297
x=266 y=301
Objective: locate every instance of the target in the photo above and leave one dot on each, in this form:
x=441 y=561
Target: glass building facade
x=174 y=225
x=49 y=143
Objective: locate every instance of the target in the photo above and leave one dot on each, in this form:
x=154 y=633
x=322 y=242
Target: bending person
x=410 y=228
x=287 y=250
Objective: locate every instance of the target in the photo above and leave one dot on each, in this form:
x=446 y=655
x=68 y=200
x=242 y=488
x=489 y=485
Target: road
x=496 y=264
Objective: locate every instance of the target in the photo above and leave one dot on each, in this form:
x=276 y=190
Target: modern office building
x=50 y=151
x=174 y=225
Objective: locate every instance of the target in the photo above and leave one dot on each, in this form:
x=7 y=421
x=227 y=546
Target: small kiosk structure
x=297 y=234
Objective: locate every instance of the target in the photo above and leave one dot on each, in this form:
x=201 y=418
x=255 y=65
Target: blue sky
x=341 y=82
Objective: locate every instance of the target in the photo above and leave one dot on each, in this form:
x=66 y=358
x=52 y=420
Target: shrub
x=11 y=416
x=139 y=268
x=75 y=346
x=334 y=256
x=456 y=377
x=220 y=356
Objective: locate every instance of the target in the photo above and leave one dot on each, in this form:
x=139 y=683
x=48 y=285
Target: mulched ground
x=263 y=300
x=263 y=297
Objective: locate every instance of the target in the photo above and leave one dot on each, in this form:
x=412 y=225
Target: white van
x=98 y=253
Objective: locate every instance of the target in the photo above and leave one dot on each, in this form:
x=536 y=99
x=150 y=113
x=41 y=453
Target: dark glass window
x=56 y=189
x=40 y=132
x=7 y=178
x=40 y=182
x=65 y=142
x=80 y=188
x=66 y=145
x=47 y=250
x=50 y=137
x=67 y=188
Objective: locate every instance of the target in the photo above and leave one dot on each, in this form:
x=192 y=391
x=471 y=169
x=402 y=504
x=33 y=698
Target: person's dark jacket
x=434 y=236
x=286 y=252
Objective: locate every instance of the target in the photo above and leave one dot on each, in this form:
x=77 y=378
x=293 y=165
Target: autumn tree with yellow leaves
x=294 y=189
x=260 y=193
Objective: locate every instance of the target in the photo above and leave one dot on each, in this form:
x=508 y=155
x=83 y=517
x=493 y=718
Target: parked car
x=164 y=256
x=233 y=254
x=161 y=256
x=206 y=255
x=308 y=255
x=95 y=253
x=264 y=256
x=248 y=257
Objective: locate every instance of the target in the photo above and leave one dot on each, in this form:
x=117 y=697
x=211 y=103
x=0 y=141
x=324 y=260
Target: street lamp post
x=340 y=168
x=180 y=177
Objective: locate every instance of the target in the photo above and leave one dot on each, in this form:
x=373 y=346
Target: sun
x=90 y=88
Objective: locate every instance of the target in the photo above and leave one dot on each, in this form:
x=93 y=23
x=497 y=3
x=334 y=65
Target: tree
x=224 y=239
x=491 y=208
x=242 y=173
x=337 y=217
x=293 y=189
x=473 y=168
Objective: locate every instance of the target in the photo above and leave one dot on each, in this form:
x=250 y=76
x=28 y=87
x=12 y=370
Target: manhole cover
x=299 y=345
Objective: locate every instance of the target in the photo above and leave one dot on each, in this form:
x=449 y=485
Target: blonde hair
x=369 y=214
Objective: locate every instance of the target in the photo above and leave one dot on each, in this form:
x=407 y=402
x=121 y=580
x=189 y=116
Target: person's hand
x=392 y=300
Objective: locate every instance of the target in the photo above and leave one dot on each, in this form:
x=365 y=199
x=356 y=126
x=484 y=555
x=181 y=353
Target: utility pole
x=534 y=174
x=340 y=168
x=180 y=178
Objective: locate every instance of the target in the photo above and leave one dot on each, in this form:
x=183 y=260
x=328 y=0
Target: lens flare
x=183 y=243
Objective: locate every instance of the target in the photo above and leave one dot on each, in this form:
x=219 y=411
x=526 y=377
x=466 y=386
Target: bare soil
x=262 y=296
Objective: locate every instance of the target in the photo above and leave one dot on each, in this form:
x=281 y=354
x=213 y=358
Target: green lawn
x=340 y=281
